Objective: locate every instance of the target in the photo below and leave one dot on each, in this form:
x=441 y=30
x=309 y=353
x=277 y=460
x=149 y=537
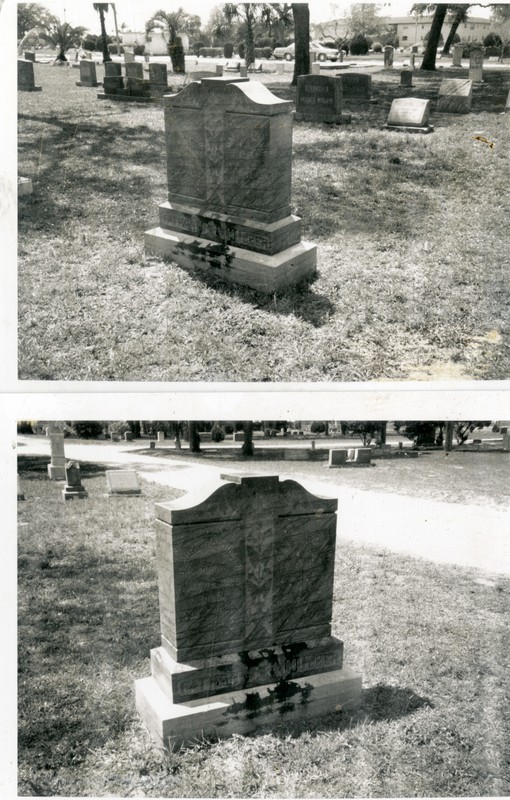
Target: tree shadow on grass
x=33 y=467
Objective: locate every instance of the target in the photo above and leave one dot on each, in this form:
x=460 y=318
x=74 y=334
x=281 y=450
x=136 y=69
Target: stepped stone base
x=267 y=273
x=57 y=472
x=408 y=128
x=30 y=88
x=243 y=711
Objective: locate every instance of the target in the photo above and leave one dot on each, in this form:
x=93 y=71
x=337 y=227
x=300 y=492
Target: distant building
x=412 y=29
x=155 y=42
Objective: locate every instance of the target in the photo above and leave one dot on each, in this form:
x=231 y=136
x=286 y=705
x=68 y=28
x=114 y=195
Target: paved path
x=464 y=534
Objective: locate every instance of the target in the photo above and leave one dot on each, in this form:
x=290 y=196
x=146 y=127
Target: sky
x=134 y=13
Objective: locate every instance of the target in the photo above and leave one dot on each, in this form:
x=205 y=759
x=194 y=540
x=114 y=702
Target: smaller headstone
x=128 y=436
x=57 y=467
x=316 y=68
x=319 y=99
x=412 y=58
x=29 y=55
x=152 y=445
x=21 y=494
x=356 y=87
x=476 y=65
x=243 y=71
x=73 y=488
x=122 y=482
x=409 y=115
x=457 y=55
x=112 y=69
x=414 y=49
x=341 y=56
x=337 y=458
x=455 y=95
x=280 y=67
x=388 y=56
x=406 y=78
x=25 y=186
x=115 y=437
x=363 y=455
x=26 y=80
x=129 y=58
x=161 y=436
x=158 y=76
x=87 y=74
x=134 y=70
x=219 y=70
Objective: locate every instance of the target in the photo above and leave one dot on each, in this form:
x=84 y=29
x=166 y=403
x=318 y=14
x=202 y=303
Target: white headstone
x=122 y=481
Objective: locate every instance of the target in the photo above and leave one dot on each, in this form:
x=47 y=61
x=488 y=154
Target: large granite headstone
x=229 y=161
x=476 y=65
x=455 y=95
x=356 y=87
x=245 y=574
x=88 y=75
x=409 y=115
x=319 y=99
x=73 y=488
x=26 y=79
x=57 y=467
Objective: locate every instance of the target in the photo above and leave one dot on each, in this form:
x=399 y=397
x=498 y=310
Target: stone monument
x=406 y=78
x=455 y=95
x=350 y=457
x=319 y=99
x=409 y=115
x=229 y=161
x=57 y=467
x=158 y=77
x=356 y=87
x=457 y=55
x=26 y=80
x=73 y=487
x=245 y=574
x=388 y=56
x=476 y=65
x=88 y=75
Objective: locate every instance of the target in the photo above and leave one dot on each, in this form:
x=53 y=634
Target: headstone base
x=56 y=472
x=126 y=97
x=266 y=273
x=241 y=712
x=408 y=128
x=30 y=88
x=71 y=492
x=91 y=84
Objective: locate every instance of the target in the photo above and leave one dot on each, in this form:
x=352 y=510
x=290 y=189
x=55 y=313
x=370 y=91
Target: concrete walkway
x=467 y=535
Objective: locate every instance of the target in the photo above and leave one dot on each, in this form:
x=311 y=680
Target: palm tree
x=172 y=22
x=62 y=37
x=102 y=9
x=247 y=449
x=459 y=15
x=249 y=14
x=301 y=14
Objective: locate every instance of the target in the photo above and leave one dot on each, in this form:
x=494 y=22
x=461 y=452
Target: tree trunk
x=453 y=30
x=176 y=53
x=106 y=54
x=194 y=438
x=448 y=436
x=429 y=56
x=249 y=56
x=247 y=449
x=301 y=14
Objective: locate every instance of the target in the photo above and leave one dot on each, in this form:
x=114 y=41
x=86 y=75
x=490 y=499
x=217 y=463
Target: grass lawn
x=412 y=234
x=431 y=643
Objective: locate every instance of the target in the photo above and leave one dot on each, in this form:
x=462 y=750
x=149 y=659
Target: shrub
x=139 y=49
x=211 y=52
x=377 y=47
x=88 y=429
x=99 y=43
x=228 y=50
x=263 y=52
x=469 y=47
x=112 y=49
x=217 y=433
x=318 y=427
x=358 y=45
x=89 y=42
x=24 y=426
x=197 y=47
x=118 y=428
x=370 y=42
x=493 y=40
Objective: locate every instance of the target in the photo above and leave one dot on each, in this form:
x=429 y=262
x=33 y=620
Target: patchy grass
x=431 y=642
x=412 y=235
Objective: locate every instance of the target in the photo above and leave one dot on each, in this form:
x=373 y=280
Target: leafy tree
x=363 y=20
x=248 y=14
x=359 y=45
x=301 y=14
x=88 y=429
x=61 y=36
x=366 y=430
x=463 y=429
x=458 y=14
x=281 y=21
x=102 y=9
x=172 y=23
x=30 y=16
x=421 y=433
x=220 y=28
x=429 y=56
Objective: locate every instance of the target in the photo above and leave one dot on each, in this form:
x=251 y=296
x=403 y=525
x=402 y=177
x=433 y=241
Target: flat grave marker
x=455 y=96
x=409 y=115
x=242 y=639
x=122 y=482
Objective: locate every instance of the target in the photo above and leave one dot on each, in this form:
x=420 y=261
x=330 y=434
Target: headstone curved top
x=229 y=94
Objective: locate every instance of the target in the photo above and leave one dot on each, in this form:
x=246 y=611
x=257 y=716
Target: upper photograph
x=263 y=192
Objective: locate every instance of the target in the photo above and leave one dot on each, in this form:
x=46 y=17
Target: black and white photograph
x=263 y=192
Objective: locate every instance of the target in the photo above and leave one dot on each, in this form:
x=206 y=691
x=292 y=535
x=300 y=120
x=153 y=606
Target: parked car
x=316 y=48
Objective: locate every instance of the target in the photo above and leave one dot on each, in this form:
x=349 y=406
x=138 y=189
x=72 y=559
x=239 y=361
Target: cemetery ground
x=431 y=642
x=412 y=235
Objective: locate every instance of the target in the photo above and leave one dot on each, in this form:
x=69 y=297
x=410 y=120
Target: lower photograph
x=256 y=608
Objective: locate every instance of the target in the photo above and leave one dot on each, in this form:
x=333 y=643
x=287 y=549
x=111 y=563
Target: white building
x=155 y=42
